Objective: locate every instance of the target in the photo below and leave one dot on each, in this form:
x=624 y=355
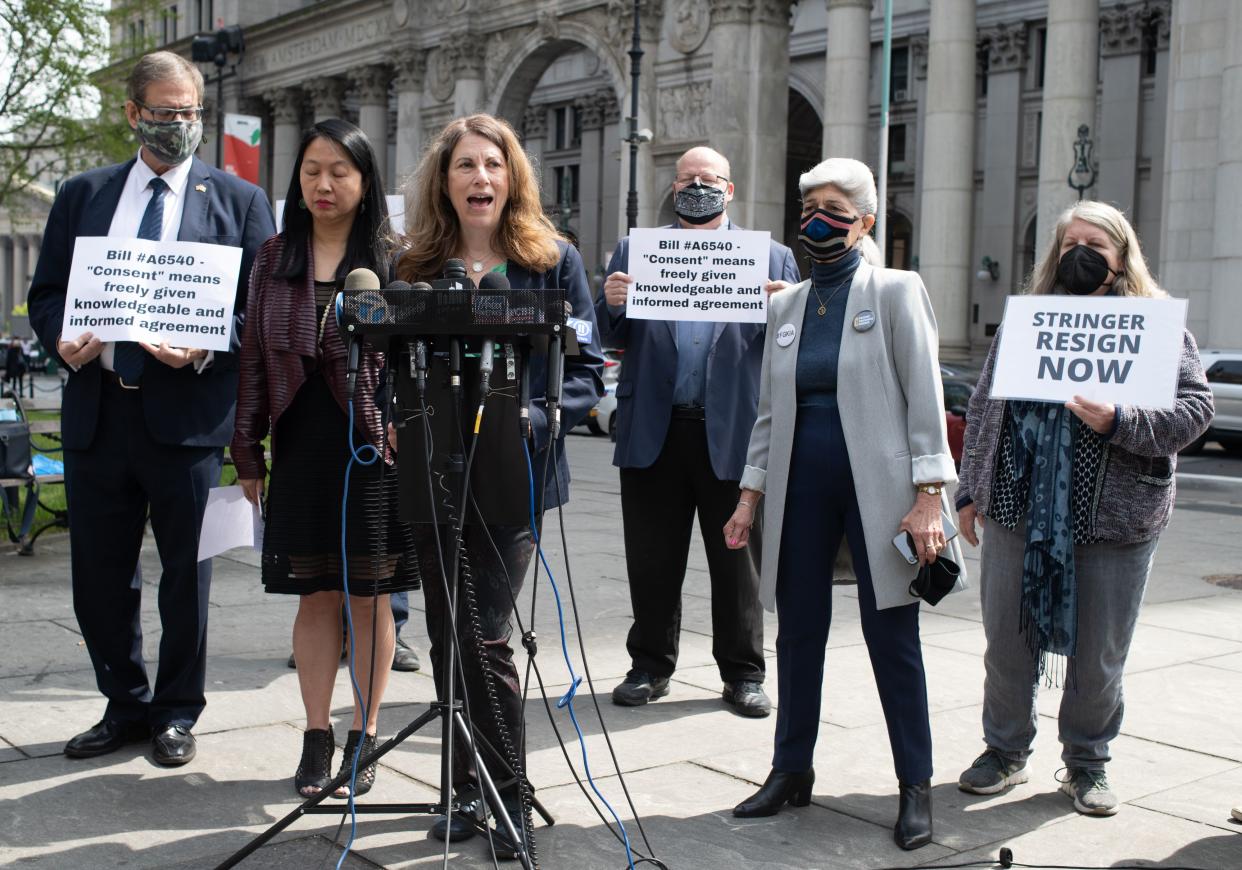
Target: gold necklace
x=823 y=306
x=323 y=322
x=477 y=263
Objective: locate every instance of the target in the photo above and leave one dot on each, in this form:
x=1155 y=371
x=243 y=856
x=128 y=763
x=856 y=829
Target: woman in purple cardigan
x=1075 y=496
x=293 y=384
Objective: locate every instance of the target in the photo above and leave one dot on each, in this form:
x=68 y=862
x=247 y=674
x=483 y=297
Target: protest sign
x=1124 y=350
x=181 y=293
x=712 y=275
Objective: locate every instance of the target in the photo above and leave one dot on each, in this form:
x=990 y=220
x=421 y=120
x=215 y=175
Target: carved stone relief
x=689 y=22
x=683 y=111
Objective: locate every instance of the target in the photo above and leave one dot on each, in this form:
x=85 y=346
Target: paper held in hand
x=1123 y=350
x=181 y=293
x=710 y=275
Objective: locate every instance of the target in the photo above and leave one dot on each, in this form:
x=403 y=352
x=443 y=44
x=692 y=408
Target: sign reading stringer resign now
x=181 y=293
x=1124 y=350
x=710 y=275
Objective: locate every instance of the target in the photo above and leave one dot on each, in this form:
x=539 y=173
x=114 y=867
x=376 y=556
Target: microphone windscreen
x=494 y=281
x=454 y=268
x=362 y=279
x=421 y=286
x=399 y=285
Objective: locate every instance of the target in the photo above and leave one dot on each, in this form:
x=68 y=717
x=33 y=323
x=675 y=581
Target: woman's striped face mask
x=823 y=235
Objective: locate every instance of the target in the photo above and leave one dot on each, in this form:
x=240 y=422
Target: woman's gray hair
x=159 y=66
x=854 y=179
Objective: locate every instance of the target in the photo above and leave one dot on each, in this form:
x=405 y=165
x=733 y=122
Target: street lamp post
x=636 y=56
x=217 y=48
x=1082 y=176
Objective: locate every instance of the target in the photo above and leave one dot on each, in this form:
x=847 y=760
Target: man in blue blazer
x=144 y=426
x=686 y=403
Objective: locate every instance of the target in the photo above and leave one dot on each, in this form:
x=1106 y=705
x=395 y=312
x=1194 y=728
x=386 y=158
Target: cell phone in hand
x=904 y=542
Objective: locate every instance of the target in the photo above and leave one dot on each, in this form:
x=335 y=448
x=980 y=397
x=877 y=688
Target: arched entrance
x=561 y=95
x=802 y=151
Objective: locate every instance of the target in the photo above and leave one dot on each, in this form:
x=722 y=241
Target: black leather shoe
x=747 y=698
x=458 y=828
x=173 y=745
x=914 y=817
x=108 y=735
x=404 y=658
x=639 y=688
x=778 y=789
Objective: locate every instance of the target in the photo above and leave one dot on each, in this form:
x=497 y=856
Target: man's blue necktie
x=128 y=358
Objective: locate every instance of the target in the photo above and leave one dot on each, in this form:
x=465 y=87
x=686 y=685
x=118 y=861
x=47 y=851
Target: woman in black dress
x=293 y=384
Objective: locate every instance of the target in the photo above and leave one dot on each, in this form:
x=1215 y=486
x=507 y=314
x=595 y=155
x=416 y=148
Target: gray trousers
x=1111 y=580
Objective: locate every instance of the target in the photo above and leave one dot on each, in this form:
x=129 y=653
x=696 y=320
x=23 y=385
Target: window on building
x=566 y=185
x=896 y=147
x=203 y=15
x=899 y=81
x=170 y=25
x=1151 y=42
x=900 y=234
x=1038 y=53
x=568 y=128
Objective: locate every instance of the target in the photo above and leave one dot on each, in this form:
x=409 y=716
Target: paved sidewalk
x=688 y=760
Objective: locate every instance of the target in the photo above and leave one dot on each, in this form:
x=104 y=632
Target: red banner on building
x=242 y=134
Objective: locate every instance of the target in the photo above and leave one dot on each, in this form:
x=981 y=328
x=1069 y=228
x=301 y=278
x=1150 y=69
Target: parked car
x=603 y=417
x=1224 y=374
x=957 y=392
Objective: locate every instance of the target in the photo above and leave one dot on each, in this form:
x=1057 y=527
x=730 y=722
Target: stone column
x=847 y=72
x=998 y=231
x=1225 y=312
x=327 y=95
x=1149 y=226
x=748 y=119
x=286 y=134
x=411 y=67
x=948 y=169
x=1071 y=58
x=611 y=184
x=535 y=141
x=590 y=195
x=371 y=86
x=1117 y=140
x=918 y=68
x=22 y=267
x=7 y=289
x=468 y=64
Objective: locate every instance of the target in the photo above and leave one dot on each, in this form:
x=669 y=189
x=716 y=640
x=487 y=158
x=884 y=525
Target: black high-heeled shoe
x=315 y=768
x=778 y=789
x=366 y=775
x=914 y=816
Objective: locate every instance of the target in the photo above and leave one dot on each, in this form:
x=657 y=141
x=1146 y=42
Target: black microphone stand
x=450 y=711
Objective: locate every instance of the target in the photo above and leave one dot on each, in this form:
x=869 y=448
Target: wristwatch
x=931 y=488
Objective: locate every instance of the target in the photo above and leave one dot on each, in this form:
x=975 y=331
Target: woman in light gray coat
x=849 y=446
x=1076 y=496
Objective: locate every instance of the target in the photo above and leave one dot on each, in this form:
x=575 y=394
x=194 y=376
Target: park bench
x=19 y=519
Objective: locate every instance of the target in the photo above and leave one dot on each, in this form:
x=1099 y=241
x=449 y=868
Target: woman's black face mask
x=1081 y=270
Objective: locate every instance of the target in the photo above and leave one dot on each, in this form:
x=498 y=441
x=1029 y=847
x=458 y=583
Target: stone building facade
x=986 y=100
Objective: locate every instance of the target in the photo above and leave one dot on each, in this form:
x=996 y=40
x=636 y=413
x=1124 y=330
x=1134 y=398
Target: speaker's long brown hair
x=433 y=233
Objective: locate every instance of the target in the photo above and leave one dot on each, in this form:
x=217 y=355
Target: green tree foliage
x=60 y=105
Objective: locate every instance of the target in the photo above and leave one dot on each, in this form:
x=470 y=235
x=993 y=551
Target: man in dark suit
x=144 y=425
x=686 y=403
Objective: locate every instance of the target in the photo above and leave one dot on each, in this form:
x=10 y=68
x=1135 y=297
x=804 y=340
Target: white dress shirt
x=133 y=205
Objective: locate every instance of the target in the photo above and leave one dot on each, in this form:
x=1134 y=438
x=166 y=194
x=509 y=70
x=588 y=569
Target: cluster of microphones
x=366 y=309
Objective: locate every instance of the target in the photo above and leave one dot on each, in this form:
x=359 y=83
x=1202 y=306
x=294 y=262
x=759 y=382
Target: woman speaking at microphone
x=478 y=201
x=293 y=384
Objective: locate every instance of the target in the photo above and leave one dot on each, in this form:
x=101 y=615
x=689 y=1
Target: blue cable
x=566 y=701
x=355 y=456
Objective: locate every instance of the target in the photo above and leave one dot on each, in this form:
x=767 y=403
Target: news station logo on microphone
x=371 y=307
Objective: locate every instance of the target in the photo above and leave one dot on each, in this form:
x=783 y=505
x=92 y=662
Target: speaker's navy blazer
x=649 y=371
x=180 y=406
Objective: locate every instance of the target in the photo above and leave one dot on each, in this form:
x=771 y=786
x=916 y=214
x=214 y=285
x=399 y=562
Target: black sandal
x=315 y=768
x=366 y=775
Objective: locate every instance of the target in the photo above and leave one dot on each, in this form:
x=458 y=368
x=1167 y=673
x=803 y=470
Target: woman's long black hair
x=368 y=246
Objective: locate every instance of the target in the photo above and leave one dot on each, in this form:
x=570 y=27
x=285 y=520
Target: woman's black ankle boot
x=778 y=789
x=914 y=816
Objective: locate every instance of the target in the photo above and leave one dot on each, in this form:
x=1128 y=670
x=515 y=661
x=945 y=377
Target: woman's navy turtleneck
x=821 y=336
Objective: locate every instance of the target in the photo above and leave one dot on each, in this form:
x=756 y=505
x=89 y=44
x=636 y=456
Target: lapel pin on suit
x=864 y=320
x=201 y=188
